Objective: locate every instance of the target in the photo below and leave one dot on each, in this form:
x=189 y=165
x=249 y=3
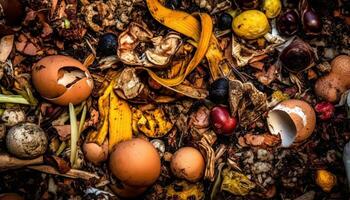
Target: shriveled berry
x=225 y=21
x=325 y=110
x=218 y=92
x=107 y=45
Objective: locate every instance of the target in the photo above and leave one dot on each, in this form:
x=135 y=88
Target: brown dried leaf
x=267 y=77
x=61 y=165
x=6 y=44
x=63 y=131
x=23 y=45
x=235 y=95
x=258 y=140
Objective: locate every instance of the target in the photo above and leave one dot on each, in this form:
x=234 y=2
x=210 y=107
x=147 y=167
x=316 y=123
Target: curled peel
x=206 y=43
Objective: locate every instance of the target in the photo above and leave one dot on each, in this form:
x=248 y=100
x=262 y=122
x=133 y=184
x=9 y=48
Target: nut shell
x=26 y=141
x=188 y=163
x=47 y=72
x=294 y=120
x=135 y=162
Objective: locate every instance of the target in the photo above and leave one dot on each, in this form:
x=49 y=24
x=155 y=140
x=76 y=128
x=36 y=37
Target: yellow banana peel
x=120 y=117
x=116 y=118
x=103 y=107
x=188 y=25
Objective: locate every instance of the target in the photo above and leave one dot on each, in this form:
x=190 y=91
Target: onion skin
x=309 y=18
x=221 y=121
x=288 y=23
x=297 y=56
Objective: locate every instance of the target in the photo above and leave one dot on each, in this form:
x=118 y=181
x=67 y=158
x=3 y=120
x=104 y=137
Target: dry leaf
x=6 y=45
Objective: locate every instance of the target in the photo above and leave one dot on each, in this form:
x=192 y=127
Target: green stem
x=74 y=133
x=81 y=126
x=61 y=148
x=17 y=99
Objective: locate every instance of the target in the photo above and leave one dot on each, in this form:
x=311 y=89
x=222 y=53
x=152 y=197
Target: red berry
x=221 y=120
x=325 y=110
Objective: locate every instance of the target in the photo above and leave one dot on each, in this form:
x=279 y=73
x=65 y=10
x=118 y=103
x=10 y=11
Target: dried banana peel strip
x=120 y=119
x=203 y=44
x=188 y=25
x=103 y=107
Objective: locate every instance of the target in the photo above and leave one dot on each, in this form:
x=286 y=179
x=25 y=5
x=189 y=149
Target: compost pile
x=174 y=99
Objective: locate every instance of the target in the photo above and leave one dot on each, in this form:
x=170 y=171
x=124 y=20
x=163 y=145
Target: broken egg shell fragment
x=62 y=80
x=294 y=120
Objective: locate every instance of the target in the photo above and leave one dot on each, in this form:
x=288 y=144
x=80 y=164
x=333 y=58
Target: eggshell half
x=47 y=75
x=294 y=120
x=135 y=162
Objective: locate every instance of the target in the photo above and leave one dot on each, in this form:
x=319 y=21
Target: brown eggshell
x=126 y=191
x=294 y=120
x=10 y=196
x=135 y=162
x=45 y=76
x=96 y=153
x=188 y=163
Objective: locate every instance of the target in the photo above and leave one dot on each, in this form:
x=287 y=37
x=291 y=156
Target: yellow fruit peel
x=326 y=180
x=116 y=119
x=120 y=117
x=200 y=32
x=236 y=183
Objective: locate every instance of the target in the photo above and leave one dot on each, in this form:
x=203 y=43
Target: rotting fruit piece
x=183 y=191
x=272 y=8
x=251 y=24
x=153 y=123
x=236 y=183
x=325 y=180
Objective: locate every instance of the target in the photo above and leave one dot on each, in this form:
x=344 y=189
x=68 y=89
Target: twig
x=9 y=162
x=72 y=173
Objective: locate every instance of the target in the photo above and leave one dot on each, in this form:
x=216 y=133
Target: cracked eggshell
x=26 y=141
x=62 y=80
x=294 y=120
